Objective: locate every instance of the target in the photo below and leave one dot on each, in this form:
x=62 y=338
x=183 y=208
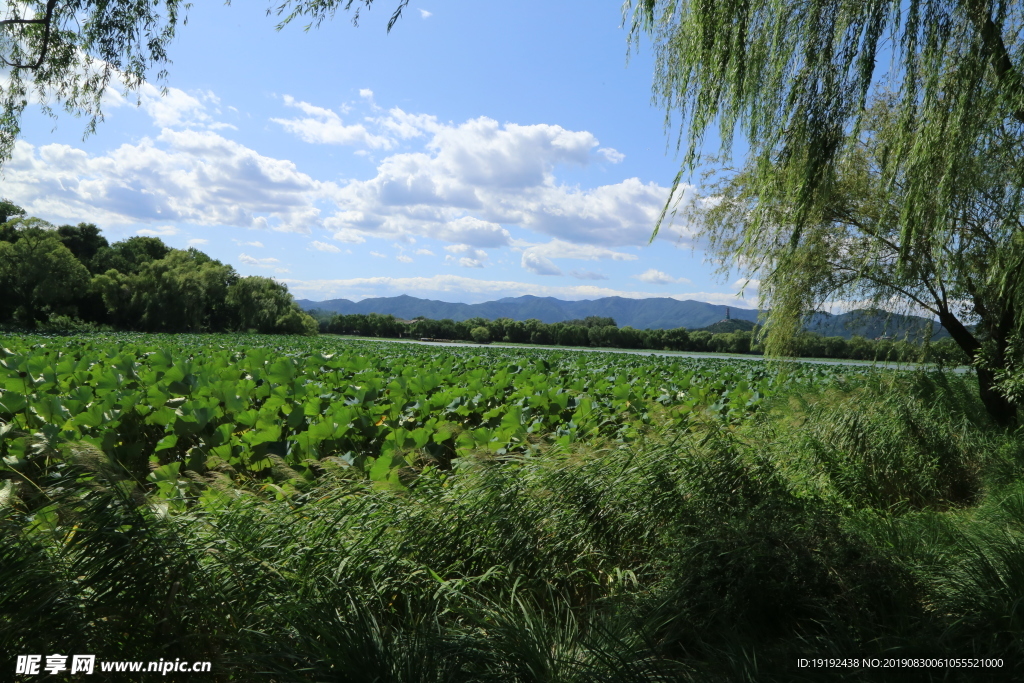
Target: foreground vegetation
x=844 y=513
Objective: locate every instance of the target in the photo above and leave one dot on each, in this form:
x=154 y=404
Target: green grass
x=878 y=516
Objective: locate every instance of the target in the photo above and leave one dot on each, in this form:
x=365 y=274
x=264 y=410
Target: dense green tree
x=43 y=272
x=128 y=256
x=946 y=352
x=677 y=339
x=860 y=348
x=185 y=291
x=38 y=275
x=700 y=340
x=631 y=338
x=606 y=336
x=593 y=321
x=266 y=306
x=516 y=332
x=573 y=335
x=15 y=228
x=84 y=240
x=810 y=345
x=835 y=347
x=9 y=210
x=296 y=321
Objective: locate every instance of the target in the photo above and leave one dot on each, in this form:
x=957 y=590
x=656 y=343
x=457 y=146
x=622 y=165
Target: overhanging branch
x=46 y=22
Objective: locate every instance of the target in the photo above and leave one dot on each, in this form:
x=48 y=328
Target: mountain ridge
x=652 y=313
x=655 y=313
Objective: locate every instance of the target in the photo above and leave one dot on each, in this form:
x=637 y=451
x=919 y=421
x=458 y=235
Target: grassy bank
x=877 y=518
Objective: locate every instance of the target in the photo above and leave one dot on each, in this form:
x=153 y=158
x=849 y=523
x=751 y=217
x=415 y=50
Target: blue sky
x=480 y=150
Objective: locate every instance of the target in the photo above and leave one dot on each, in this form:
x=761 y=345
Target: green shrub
x=896 y=443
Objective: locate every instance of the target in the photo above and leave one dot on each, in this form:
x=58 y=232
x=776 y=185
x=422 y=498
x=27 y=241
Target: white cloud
x=378 y=254
x=177 y=108
x=747 y=286
x=323 y=246
x=537 y=258
x=170 y=108
x=473 y=231
x=348 y=236
x=248 y=244
x=425 y=14
x=189 y=176
x=424 y=252
x=613 y=215
x=269 y=262
x=657 y=277
x=403 y=258
x=407 y=126
x=323 y=126
x=367 y=94
x=587 y=275
x=464 y=183
x=612 y=155
x=197 y=241
x=484 y=153
x=471 y=257
x=162 y=231
x=586 y=252
x=539 y=264
x=487 y=175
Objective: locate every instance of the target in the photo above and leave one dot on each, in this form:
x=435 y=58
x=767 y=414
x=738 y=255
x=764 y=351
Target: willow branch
x=998 y=55
x=46 y=22
x=886 y=284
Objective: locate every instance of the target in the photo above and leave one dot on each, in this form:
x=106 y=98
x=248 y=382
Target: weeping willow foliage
x=851 y=247
x=885 y=150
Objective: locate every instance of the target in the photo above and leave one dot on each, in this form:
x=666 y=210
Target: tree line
x=605 y=333
x=70 y=277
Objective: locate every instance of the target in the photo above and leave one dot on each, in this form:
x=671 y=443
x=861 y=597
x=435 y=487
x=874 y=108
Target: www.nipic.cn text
x=33 y=665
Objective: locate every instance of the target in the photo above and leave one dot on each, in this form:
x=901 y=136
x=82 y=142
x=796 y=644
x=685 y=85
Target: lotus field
x=168 y=405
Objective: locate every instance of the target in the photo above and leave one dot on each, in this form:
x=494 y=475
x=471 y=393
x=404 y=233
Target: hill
x=644 y=314
x=731 y=325
x=873 y=324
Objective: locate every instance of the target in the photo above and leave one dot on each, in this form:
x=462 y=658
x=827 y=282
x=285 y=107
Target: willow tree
x=795 y=80
x=64 y=54
x=852 y=249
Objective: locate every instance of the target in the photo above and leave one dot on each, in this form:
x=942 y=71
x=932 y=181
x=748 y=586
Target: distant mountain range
x=654 y=313
x=662 y=313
